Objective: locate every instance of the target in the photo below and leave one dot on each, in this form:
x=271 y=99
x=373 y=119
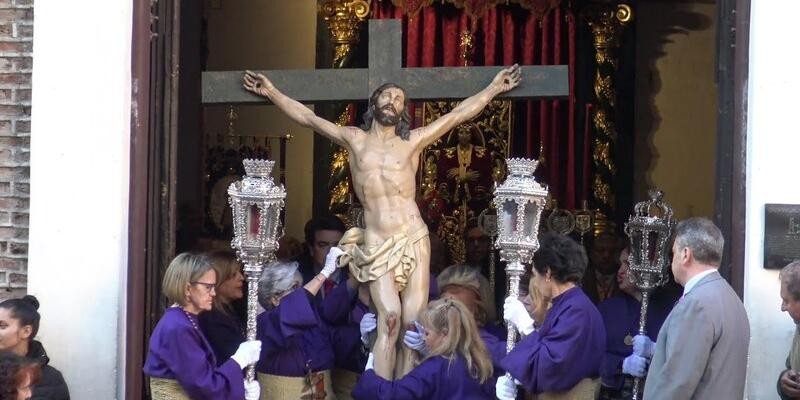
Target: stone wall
x=16 y=62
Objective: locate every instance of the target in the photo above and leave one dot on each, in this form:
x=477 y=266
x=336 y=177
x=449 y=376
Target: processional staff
x=257 y=204
x=519 y=202
x=649 y=229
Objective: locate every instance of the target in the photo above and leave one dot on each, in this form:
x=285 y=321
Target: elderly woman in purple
x=297 y=354
x=562 y=358
x=180 y=362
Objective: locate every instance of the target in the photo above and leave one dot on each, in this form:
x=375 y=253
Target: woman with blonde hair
x=180 y=362
x=456 y=364
x=467 y=285
x=222 y=327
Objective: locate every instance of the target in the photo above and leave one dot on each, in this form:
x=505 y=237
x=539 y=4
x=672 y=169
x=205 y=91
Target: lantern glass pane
x=253 y=222
x=530 y=218
x=508 y=217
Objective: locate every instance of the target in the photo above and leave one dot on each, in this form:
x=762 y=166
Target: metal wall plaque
x=781 y=234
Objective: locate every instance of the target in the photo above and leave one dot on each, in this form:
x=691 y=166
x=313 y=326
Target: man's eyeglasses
x=209 y=286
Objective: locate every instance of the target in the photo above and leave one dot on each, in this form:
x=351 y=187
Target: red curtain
x=505 y=35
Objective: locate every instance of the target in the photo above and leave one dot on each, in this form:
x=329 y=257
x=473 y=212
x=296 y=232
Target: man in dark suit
x=701 y=350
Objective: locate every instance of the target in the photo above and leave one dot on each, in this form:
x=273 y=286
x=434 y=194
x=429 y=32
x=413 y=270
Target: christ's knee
x=389 y=325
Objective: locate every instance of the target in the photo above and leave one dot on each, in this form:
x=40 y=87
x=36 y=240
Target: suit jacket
x=701 y=350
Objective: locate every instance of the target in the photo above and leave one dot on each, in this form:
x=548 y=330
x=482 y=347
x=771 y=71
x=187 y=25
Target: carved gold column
x=345 y=19
x=607 y=23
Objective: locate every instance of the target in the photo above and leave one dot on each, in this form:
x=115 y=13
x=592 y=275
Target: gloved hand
x=643 y=346
x=247 y=353
x=635 y=365
x=368 y=324
x=370 y=362
x=252 y=390
x=514 y=312
x=505 y=388
x=416 y=340
x=331 y=261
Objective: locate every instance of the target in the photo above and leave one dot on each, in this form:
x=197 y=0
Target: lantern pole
x=256 y=203
x=649 y=230
x=519 y=201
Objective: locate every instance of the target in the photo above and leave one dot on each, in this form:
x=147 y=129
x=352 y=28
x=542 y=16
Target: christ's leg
x=415 y=299
x=387 y=302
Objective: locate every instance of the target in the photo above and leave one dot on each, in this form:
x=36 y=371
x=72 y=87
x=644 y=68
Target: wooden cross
x=385 y=65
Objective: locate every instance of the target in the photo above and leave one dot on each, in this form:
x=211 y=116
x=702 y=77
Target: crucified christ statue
x=392 y=253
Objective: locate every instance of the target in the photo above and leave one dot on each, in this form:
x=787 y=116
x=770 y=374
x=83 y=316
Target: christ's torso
x=383 y=172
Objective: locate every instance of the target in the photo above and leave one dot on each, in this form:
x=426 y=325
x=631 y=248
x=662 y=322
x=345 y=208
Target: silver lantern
x=519 y=202
x=649 y=230
x=257 y=204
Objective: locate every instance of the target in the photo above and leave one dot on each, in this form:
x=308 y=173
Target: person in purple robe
x=564 y=355
x=467 y=285
x=297 y=353
x=180 y=362
x=621 y=319
x=221 y=325
x=455 y=364
x=343 y=309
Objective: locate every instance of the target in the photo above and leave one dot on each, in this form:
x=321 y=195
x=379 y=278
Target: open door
x=154 y=130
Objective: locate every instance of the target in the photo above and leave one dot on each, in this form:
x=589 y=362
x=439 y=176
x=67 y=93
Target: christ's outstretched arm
x=262 y=86
x=505 y=80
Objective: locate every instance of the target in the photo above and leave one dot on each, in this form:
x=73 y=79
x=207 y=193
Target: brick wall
x=16 y=47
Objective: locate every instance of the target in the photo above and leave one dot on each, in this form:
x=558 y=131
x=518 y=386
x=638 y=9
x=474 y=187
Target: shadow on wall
x=657 y=24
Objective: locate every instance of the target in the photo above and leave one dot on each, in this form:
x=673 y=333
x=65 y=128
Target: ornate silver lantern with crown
x=649 y=230
x=519 y=202
x=257 y=204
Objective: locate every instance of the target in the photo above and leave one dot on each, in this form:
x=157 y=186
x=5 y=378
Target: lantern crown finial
x=521 y=166
x=258 y=168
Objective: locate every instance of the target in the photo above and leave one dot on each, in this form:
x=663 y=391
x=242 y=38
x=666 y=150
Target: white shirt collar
x=692 y=282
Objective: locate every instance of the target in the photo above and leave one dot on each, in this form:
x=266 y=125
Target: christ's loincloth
x=396 y=254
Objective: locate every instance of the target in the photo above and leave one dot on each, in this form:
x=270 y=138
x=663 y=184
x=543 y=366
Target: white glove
x=370 y=362
x=247 y=353
x=252 y=390
x=635 y=365
x=368 y=324
x=643 y=346
x=331 y=261
x=416 y=340
x=514 y=312
x=505 y=388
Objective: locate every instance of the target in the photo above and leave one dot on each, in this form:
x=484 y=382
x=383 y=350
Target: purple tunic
x=436 y=378
x=342 y=310
x=494 y=337
x=621 y=318
x=567 y=348
x=178 y=350
x=293 y=339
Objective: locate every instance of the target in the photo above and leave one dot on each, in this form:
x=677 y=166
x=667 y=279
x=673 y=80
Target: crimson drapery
x=505 y=35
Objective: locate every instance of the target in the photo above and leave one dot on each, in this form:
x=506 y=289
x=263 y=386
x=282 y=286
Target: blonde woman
x=221 y=326
x=180 y=362
x=456 y=365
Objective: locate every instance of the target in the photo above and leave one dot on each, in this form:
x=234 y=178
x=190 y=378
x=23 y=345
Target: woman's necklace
x=191 y=320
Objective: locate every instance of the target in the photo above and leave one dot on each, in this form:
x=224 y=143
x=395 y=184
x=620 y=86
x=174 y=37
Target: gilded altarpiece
x=459 y=170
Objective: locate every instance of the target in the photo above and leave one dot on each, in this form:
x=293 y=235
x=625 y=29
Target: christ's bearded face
x=389 y=106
